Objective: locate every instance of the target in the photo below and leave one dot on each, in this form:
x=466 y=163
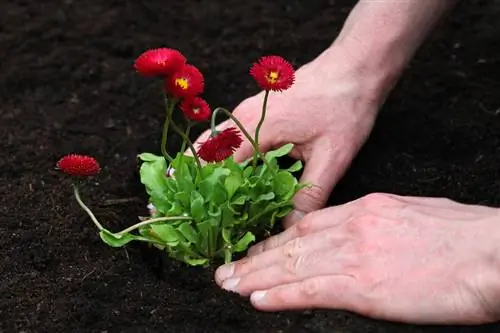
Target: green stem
x=151 y=221
x=183 y=136
x=188 y=129
x=168 y=117
x=85 y=208
x=259 y=125
x=265 y=211
x=228 y=255
x=245 y=133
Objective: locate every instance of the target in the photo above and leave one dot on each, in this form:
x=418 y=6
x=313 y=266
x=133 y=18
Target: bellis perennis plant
x=203 y=211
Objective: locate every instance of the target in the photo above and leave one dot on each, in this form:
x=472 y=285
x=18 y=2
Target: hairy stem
x=259 y=125
x=146 y=222
x=245 y=133
x=85 y=208
x=168 y=117
x=183 y=136
x=188 y=129
x=228 y=256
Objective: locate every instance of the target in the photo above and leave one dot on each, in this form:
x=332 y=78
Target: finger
x=331 y=292
x=318 y=257
x=311 y=223
x=320 y=172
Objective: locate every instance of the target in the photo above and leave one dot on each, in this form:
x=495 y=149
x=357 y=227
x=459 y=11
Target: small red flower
x=196 y=109
x=219 y=147
x=273 y=73
x=78 y=165
x=159 y=62
x=186 y=82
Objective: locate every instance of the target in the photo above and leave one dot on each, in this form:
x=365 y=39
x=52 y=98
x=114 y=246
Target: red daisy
x=159 y=62
x=78 y=165
x=273 y=73
x=196 y=109
x=219 y=147
x=185 y=82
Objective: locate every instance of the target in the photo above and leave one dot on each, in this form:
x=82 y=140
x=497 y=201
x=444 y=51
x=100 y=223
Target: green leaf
x=244 y=242
x=265 y=197
x=232 y=183
x=184 y=178
x=153 y=177
x=226 y=235
x=116 y=240
x=183 y=197
x=282 y=151
x=198 y=211
x=188 y=232
x=166 y=232
x=284 y=184
x=233 y=166
x=148 y=157
x=195 y=261
x=204 y=237
x=297 y=166
x=240 y=199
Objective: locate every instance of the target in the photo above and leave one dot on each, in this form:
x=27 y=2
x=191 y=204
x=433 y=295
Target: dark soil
x=67 y=85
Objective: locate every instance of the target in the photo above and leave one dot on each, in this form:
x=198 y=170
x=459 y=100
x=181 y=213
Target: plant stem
x=267 y=210
x=168 y=117
x=259 y=125
x=245 y=133
x=85 y=208
x=184 y=137
x=150 y=221
x=228 y=256
x=188 y=129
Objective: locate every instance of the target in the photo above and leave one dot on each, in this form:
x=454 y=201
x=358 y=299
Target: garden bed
x=67 y=85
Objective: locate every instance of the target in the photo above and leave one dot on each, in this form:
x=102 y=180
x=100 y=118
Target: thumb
x=320 y=174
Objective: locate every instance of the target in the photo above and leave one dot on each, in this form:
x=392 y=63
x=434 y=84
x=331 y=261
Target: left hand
x=409 y=259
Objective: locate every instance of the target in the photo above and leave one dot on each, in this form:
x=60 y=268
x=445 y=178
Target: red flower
x=219 y=147
x=196 y=109
x=78 y=165
x=186 y=82
x=273 y=73
x=159 y=62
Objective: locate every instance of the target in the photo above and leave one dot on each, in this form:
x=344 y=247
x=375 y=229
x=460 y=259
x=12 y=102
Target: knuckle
x=314 y=194
x=292 y=247
x=360 y=223
x=376 y=200
x=304 y=226
x=270 y=243
x=309 y=288
x=293 y=265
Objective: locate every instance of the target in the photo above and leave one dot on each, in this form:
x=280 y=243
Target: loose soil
x=67 y=85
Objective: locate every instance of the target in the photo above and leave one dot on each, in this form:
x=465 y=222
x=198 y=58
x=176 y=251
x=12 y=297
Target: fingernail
x=225 y=271
x=257 y=296
x=230 y=284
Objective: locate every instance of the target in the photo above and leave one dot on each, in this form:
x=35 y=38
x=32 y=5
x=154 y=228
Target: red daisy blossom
x=78 y=165
x=159 y=62
x=273 y=73
x=219 y=147
x=196 y=109
x=185 y=82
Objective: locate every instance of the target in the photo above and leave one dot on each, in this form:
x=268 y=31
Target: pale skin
x=408 y=259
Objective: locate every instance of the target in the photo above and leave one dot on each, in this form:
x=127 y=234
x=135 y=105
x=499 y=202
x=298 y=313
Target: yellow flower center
x=182 y=82
x=273 y=76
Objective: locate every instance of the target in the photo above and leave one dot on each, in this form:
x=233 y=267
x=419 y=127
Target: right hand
x=327 y=114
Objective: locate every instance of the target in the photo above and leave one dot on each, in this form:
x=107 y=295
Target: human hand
x=409 y=259
x=328 y=113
